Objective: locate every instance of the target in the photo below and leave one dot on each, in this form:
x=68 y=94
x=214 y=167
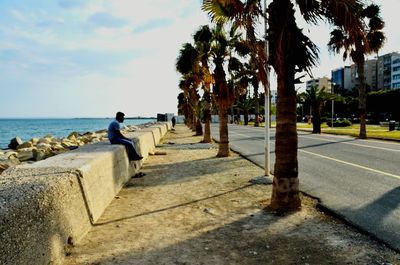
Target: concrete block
x=42 y=212
x=103 y=169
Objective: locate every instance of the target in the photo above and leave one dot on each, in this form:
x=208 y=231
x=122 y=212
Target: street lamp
x=333 y=102
x=266 y=98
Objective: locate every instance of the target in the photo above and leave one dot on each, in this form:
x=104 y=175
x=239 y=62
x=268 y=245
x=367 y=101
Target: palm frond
x=376 y=41
x=221 y=11
x=187 y=59
x=310 y=10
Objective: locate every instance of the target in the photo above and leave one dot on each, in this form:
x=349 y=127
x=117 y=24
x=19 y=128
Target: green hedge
x=339 y=123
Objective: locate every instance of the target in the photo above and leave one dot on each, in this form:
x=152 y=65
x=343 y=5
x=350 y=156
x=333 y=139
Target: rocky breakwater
x=37 y=149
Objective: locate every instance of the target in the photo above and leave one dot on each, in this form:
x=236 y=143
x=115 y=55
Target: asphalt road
x=358 y=180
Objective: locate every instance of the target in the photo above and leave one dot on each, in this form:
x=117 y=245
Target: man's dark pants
x=130 y=148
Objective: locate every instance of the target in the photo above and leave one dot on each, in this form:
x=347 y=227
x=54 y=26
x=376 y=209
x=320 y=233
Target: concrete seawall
x=48 y=206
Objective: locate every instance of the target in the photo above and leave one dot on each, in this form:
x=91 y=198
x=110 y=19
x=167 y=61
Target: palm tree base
x=362 y=136
x=285 y=195
x=223 y=150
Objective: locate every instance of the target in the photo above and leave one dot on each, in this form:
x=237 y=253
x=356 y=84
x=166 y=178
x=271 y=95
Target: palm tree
x=316 y=98
x=366 y=39
x=183 y=106
x=224 y=93
x=293 y=52
x=202 y=39
x=187 y=65
x=245 y=104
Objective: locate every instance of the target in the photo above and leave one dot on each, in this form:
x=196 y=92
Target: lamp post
x=333 y=102
x=266 y=98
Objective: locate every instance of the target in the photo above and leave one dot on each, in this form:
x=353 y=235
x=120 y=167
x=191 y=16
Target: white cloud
x=18 y=15
x=103 y=65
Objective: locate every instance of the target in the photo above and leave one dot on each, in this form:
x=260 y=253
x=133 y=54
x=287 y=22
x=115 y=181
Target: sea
x=27 y=129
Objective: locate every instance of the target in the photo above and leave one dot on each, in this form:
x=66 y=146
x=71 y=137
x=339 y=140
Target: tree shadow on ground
x=255 y=239
x=162 y=174
x=155 y=211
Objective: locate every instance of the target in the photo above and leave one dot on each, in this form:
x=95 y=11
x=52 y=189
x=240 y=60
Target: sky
x=92 y=58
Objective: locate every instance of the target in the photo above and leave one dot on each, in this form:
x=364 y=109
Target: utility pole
x=266 y=98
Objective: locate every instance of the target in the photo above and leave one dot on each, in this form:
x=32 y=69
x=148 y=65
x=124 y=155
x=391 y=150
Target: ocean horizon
x=28 y=128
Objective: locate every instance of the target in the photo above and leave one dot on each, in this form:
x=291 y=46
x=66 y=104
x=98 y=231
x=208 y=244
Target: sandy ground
x=194 y=208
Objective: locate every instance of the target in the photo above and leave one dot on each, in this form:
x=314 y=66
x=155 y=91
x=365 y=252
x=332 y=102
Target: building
x=396 y=72
x=370 y=73
x=382 y=73
x=320 y=83
x=388 y=69
x=349 y=78
x=337 y=79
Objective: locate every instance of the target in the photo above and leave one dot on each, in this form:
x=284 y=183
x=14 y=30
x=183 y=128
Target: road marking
x=351 y=164
x=246 y=135
x=367 y=146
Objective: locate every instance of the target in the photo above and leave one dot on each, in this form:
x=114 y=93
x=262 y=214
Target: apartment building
x=388 y=68
x=320 y=83
x=396 y=72
x=381 y=73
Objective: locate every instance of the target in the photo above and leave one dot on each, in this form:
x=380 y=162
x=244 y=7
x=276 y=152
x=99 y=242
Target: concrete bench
x=47 y=206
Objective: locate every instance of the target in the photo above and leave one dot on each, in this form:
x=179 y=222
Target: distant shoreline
x=74 y=118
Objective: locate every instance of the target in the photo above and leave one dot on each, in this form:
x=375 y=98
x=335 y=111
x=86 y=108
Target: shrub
x=339 y=123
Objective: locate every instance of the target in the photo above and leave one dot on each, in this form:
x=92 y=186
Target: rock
x=88 y=138
x=34 y=141
x=57 y=147
x=24 y=145
x=66 y=143
x=44 y=140
x=104 y=131
x=8 y=163
x=40 y=154
x=131 y=128
x=15 y=142
x=25 y=155
x=73 y=136
x=44 y=146
x=11 y=154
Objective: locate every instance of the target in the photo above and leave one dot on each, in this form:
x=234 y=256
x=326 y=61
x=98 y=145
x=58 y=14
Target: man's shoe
x=139 y=175
x=138 y=158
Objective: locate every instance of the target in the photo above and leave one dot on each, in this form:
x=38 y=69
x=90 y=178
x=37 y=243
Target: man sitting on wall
x=116 y=137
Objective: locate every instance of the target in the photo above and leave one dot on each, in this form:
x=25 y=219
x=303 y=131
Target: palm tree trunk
x=199 y=128
x=223 y=145
x=207 y=118
x=246 y=117
x=193 y=123
x=316 y=120
x=362 y=100
x=285 y=187
x=285 y=193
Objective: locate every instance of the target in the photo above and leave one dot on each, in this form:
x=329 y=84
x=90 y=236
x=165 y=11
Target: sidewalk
x=194 y=208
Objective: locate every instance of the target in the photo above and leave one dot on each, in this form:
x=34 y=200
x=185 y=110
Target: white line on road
x=244 y=135
x=351 y=164
x=367 y=146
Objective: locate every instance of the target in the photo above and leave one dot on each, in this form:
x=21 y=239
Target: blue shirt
x=112 y=130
